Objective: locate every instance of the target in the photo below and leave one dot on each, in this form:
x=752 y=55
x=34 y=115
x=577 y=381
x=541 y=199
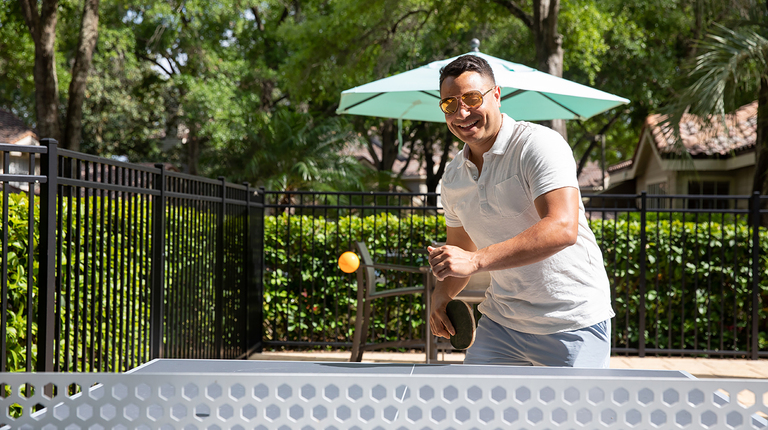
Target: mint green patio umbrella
x=526 y=94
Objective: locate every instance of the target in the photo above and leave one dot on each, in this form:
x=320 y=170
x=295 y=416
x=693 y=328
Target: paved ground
x=698 y=367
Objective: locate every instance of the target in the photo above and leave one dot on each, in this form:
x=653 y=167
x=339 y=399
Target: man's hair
x=466 y=63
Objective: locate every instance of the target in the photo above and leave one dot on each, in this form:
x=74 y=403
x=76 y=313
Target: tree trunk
x=433 y=178
x=389 y=143
x=42 y=27
x=760 y=181
x=594 y=139
x=549 y=48
x=193 y=151
x=89 y=31
x=549 y=43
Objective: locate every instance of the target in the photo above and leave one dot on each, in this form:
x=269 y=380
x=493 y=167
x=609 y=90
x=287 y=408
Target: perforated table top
x=171 y=366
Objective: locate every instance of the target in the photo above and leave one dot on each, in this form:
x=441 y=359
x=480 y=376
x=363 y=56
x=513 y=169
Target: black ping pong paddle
x=463 y=320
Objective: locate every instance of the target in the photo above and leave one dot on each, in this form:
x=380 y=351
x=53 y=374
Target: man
x=513 y=208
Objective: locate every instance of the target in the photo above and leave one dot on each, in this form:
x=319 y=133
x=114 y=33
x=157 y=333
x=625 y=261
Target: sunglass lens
x=473 y=99
x=449 y=105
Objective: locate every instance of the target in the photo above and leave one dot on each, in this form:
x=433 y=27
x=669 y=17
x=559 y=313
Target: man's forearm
x=542 y=240
x=556 y=230
x=450 y=286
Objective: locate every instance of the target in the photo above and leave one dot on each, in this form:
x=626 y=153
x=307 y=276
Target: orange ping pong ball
x=348 y=262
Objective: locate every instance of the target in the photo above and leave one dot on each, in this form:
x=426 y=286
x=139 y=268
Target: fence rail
x=688 y=274
x=107 y=264
x=132 y=263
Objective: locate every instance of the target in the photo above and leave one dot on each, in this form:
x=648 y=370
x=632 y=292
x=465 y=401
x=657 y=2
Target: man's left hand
x=451 y=260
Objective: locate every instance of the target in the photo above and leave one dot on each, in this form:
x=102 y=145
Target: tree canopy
x=249 y=90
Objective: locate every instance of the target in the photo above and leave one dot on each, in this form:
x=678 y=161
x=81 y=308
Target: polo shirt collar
x=502 y=139
x=505 y=132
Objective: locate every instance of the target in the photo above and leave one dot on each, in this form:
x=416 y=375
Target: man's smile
x=467 y=126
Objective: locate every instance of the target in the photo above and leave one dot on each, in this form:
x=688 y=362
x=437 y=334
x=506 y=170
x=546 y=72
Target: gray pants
x=496 y=344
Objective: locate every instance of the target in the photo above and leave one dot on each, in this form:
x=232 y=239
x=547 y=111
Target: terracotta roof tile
x=620 y=166
x=708 y=137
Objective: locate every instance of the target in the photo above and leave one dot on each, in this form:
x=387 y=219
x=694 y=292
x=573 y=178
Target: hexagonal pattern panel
x=327 y=402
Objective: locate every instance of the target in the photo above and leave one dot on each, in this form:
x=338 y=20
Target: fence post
x=246 y=262
x=46 y=278
x=258 y=259
x=219 y=285
x=157 y=305
x=641 y=280
x=755 y=215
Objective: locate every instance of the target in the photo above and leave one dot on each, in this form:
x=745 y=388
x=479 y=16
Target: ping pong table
x=216 y=394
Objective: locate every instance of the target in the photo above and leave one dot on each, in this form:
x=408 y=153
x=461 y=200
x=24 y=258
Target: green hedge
x=102 y=337
x=697 y=279
x=113 y=317
x=17 y=259
x=307 y=298
x=698 y=282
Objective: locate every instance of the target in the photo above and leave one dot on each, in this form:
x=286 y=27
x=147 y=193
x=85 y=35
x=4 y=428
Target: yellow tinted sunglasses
x=471 y=99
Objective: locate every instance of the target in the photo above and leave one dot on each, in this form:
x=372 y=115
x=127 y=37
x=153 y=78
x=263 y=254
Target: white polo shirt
x=564 y=292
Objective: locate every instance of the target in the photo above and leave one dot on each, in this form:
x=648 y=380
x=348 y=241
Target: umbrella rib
x=363 y=101
x=518 y=92
x=513 y=94
x=430 y=94
x=561 y=105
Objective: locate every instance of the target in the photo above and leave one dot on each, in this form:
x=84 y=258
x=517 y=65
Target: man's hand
x=453 y=261
x=438 y=320
x=448 y=286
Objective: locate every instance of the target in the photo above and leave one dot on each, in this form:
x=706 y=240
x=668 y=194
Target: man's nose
x=462 y=111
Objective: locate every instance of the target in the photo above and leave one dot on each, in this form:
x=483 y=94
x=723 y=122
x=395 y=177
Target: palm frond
x=730 y=59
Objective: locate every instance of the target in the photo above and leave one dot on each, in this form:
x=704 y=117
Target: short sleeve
x=451 y=219
x=548 y=163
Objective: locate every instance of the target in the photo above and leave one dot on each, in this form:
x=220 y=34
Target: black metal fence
x=688 y=273
x=125 y=263
x=106 y=265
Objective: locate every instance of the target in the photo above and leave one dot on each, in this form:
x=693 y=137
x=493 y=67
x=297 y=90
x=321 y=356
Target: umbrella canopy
x=526 y=94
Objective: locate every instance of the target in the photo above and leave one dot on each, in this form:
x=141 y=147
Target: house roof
x=708 y=137
x=13 y=129
x=414 y=168
x=590 y=176
x=623 y=165
x=702 y=137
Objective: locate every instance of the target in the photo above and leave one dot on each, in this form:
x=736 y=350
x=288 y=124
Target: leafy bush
x=306 y=296
x=697 y=283
x=17 y=299
x=103 y=267
x=697 y=292
x=95 y=303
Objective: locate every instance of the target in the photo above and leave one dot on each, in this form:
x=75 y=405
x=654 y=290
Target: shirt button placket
x=483 y=197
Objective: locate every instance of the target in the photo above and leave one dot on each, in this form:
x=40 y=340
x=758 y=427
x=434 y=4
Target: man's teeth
x=468 y=125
